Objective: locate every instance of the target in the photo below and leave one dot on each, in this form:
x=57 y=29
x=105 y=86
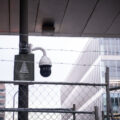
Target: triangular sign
x=24 y=68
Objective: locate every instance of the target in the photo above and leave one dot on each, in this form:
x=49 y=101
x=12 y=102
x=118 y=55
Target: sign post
x=23 y=70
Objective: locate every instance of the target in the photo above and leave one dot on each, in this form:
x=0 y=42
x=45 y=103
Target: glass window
x=104 y=102
x=112 y=101
x=114 y=67
x=1 y=118
x=110 y=46
x=1 y=103
x=2 y=96
x=115 y=99
x=2 y=90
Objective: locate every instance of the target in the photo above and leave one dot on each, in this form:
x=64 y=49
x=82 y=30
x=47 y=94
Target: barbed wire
x=1 y=48
x=56 y=34
x=64 y=50
x=58 y=63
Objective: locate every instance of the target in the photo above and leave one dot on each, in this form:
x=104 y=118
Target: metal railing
x=58 y=97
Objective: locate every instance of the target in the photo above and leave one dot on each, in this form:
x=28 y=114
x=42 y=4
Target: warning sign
x=24 y=67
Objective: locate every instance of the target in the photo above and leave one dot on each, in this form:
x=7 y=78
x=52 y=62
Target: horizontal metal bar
x=116 y=115
x=51 y=83
x=114 y=88
x=112 y=116
x=50 y=110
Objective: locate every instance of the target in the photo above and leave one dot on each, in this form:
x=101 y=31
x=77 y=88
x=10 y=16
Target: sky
x=63 y=52
x=56 y=48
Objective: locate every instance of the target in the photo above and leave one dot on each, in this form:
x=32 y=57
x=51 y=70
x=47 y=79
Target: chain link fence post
x=96 y=113
x=107 y=93
x=74 y=109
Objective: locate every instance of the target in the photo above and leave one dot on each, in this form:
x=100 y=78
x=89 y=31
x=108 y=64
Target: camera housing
x=45 y=66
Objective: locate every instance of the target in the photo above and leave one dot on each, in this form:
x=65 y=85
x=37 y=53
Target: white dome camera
x=45 y=66
x=45 y=63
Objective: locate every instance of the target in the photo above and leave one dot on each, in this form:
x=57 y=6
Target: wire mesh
x=55 y=101
x=115 y=102
x=50 y=116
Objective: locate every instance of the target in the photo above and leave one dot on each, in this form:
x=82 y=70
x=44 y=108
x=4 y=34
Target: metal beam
x=51 y=83
x=45 y=110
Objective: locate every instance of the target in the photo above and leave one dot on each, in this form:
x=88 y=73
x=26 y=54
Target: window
x=1 y=118
x=2 y=96
x=104 y=102
x=110 y=46
x=115 y=97
x=115 y=102
x=1 y=103
x=114 y=66
x=2 y=90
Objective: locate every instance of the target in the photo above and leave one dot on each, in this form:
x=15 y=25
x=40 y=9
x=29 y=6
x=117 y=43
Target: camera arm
x=45 y=63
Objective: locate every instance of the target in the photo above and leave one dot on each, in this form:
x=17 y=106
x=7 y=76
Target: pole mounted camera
x=45 y=63
x=45 y=66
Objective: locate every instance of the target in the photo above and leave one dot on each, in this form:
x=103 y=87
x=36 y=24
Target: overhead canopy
x=90 y=18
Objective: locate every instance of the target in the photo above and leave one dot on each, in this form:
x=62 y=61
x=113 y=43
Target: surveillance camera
x=45 y=66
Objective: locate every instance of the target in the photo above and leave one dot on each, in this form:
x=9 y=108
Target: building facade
x=97 y=54
x=2 y=101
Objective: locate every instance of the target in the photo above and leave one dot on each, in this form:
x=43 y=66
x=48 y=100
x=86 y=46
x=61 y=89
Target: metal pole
x=102 y=115
x=23 y=45
x=74 y=109
x=45 y=110
x=23 y=49
x=107 y=93
x=96 y=113
x=23 y=101
x=14 y=103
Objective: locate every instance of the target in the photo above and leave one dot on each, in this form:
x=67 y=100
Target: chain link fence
x=53 y=101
